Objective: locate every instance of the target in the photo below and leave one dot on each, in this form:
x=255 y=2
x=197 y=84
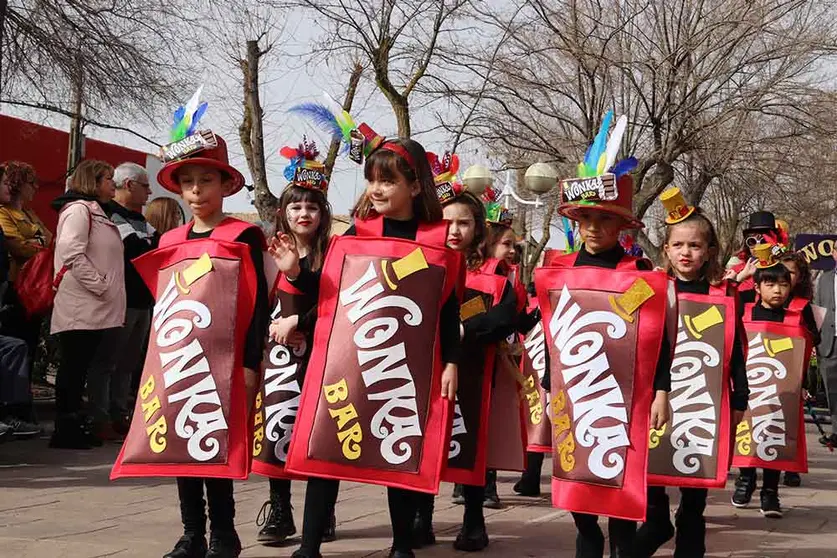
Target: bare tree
x=711 y=80
x=114 y=56
x=399 y=40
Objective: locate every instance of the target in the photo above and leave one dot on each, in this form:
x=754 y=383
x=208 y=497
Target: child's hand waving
x=283 y=251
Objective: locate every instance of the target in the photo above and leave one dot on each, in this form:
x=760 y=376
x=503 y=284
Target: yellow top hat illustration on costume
x=764 y=254
x=675 y=205
x=703 y=321
x=629 y=302
x=409 y=264
x=184 y=279
x=776 y=346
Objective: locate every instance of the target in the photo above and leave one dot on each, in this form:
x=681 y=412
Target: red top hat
x=598 y=194
x=214 y=156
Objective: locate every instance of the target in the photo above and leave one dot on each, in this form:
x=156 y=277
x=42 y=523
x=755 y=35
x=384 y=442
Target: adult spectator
x=90 y=299
x=15 y=393
x=129 y=341
x=164 y=214
x=826 y=296
x=741 y=267
x=26 y=235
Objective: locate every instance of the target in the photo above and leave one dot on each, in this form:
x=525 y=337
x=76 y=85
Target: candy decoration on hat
x=495 y=213
x=444 y=171
x=675 y=206
x=198 y=147
x=631 y=246
x=304 y=170
x=602 y=184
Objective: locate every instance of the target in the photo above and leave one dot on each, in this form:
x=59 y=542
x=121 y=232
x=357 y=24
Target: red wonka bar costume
x=191 y=415
x=601 y=410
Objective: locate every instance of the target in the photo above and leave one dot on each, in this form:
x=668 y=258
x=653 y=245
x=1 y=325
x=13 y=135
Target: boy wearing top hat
x=204 y=179
x=601 y=204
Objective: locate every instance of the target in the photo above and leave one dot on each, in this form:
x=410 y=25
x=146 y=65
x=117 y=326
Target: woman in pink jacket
x=90 y=299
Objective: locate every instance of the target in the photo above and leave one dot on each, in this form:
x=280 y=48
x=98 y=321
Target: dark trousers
x=14 y=374
x=320 y=498
x=474 y=500
x=769 y=477
x=589 y=541
x=79 y=349
x=219 y=495
x=690 y=541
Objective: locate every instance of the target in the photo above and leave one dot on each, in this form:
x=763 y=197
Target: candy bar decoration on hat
x=675 y=205
x=602 y=184
x=192 y=146
x=444 y=170
x=765 y=256
x=304 y=170
x=495 y=213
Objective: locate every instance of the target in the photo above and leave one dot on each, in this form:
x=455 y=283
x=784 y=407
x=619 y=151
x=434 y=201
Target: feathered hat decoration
x=304 y=170
x=631 y=246
x=601 y=155
x=573 y=239
x=359 y=140
x=444 y=171
x=187 y=117
x=495 y=213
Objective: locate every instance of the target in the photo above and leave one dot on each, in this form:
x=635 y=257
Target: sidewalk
x=60 y=504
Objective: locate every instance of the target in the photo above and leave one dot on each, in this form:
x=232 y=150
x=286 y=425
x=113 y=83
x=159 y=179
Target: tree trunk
x=401 y=108
x=348 y=101
x=251 y=133
x=4 y=6
x=76 y=145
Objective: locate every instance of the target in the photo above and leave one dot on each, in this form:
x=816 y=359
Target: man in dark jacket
x=138 y=237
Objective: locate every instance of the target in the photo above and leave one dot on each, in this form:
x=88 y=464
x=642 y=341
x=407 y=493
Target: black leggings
x=280 y=489
x=219 y=494
x=78 y=351
x=589 y=542
x=769 y=477
x=320 y=498
x=690 y=541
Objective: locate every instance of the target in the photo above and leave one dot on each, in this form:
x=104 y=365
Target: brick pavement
x=60 y=504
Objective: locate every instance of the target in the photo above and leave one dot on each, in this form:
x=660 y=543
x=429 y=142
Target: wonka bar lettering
x=280 y=380
x=763 y=371
x=203 y=428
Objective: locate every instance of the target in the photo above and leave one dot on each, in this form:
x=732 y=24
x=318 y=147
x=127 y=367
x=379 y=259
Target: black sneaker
x=224 y=545
x=472 y=539
x=792 y=479
x=770 y=506
x=189 y=546
x=299 y=553
x=70 y=433
x=22 y=429
x=830 y=441
x=401 y=553
x=5 y=432
x=458 y=496
x=278 y=522
x=330 y=534
x=744 y=489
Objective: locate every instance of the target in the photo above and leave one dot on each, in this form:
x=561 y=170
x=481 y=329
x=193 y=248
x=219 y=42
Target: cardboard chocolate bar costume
x=371 y=408
x=277 y=402
x=535 y=398
x=468 y=453
x=772 y=433
x=693 y=448
x=604 y=338
x=191 y=415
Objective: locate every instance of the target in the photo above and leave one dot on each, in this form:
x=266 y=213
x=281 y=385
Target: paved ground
x=56 y=504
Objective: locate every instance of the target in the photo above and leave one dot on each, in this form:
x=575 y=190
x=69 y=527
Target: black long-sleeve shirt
x=254 y=342
x=450 y=344
x=738 y=364
x=609 y=259
x=497 y=323
x=764 y=314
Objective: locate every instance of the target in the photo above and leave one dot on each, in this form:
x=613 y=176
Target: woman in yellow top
x=25 y=233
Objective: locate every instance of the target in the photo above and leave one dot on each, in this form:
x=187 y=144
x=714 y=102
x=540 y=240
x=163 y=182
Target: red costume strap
x=286 y=286
x=370 y=227
x=793 y=314
x=229 y=229
x=490 y=266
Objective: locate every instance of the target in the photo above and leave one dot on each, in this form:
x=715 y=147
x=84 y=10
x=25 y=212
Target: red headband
x=399 y=150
